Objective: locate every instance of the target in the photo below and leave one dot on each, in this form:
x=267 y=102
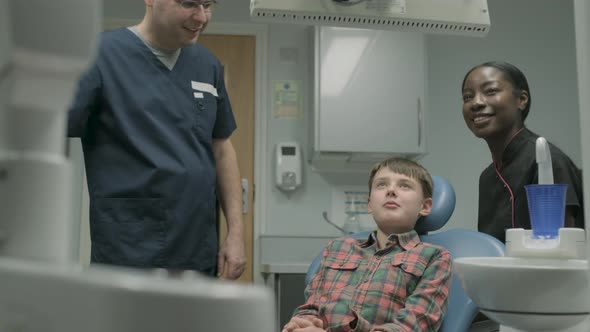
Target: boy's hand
x=297 y=323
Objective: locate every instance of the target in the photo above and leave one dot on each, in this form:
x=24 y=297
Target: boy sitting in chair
x=390 y=281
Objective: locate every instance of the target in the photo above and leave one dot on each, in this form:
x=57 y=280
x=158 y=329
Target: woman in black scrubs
x=496 y=102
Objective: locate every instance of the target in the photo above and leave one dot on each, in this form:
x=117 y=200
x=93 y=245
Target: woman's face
x=491 y=106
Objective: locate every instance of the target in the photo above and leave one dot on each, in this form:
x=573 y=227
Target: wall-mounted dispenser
x=288 y=166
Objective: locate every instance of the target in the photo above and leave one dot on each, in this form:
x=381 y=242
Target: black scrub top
x=502 y=196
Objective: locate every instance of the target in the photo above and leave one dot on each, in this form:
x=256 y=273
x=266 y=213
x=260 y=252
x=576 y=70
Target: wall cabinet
x=369 y=94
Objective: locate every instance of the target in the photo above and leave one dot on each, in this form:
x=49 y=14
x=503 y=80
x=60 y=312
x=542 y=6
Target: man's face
x=396 y=201
x=180 y=22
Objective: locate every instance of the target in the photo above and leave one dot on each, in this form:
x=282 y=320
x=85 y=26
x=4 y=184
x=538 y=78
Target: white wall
x=582 y=19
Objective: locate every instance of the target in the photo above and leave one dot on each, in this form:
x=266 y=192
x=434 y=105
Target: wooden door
x=237 y=55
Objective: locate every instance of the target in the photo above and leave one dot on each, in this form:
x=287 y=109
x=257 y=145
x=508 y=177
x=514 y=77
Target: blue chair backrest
x=459 y=242
x=463 y=243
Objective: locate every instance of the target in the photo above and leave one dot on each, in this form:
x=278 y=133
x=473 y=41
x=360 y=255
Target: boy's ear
x=426 y=207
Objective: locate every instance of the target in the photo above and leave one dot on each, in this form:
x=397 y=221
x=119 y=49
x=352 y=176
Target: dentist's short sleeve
x=85 y=102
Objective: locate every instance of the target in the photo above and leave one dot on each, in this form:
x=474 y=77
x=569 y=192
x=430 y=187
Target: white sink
x=530 y=294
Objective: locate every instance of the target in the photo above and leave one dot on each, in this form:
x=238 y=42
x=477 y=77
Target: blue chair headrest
x=443 y=205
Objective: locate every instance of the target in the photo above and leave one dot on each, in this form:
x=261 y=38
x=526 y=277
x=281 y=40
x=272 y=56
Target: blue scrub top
x=147 y=135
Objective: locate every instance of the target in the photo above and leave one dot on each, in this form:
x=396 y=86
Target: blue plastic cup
x=546 y=208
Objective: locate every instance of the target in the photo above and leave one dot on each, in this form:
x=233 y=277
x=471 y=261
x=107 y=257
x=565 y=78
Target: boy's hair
x=408 y=168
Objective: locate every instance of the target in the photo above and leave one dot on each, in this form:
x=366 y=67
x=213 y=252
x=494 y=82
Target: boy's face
x=396 y=202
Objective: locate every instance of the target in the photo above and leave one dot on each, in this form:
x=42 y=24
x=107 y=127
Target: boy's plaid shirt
x=403 y=287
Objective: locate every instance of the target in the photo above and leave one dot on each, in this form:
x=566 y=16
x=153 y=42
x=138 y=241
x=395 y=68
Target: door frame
x=260 y=32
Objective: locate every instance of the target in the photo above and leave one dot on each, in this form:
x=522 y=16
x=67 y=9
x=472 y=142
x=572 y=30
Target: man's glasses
x=194 y=4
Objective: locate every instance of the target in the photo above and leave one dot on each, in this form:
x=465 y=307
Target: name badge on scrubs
x=200 y=87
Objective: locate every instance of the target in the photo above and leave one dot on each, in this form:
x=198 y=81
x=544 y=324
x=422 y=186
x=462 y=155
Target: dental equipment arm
x=544 y=163
x=44 y=47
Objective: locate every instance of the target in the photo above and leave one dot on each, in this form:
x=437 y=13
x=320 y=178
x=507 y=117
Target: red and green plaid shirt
x=403 y=287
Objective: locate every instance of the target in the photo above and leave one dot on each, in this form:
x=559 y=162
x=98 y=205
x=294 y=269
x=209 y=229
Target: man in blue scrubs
x=155 y=123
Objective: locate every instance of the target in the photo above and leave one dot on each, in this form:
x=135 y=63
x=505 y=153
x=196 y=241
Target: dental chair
x=459 y=242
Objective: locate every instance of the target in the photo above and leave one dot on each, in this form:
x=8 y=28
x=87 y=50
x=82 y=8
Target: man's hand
x=231 y=260
x=298 y=323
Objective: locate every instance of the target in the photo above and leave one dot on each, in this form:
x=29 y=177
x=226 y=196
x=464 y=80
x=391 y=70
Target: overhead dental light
x=457 y=17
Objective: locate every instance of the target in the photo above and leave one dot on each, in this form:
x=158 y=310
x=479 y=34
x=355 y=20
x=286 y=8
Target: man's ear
x=426 y=207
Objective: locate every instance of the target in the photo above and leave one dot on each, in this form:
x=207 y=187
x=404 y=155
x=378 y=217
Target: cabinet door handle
x=419 y=122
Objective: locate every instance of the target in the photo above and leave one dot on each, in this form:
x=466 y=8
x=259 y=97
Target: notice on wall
x=286 y=99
